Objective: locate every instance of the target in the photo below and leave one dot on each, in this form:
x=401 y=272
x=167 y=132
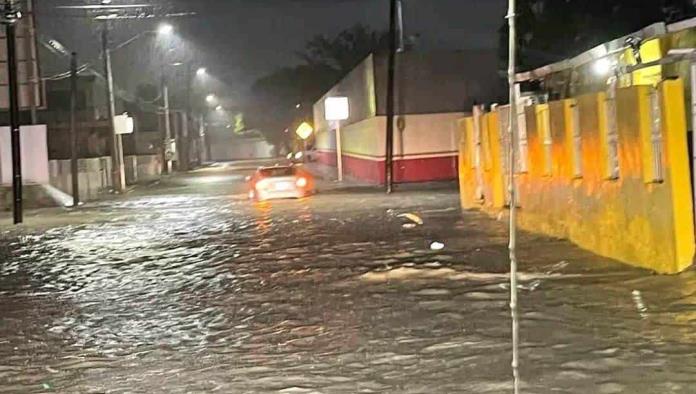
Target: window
x=273 y=172
x=576 y=140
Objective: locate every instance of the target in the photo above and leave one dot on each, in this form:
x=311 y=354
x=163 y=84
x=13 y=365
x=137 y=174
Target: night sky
x=241 y=40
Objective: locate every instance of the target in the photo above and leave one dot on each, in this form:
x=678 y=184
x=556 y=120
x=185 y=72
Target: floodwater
x=197 y=290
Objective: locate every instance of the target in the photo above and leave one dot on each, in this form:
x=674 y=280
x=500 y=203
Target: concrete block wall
x=638 y=216
x=142 y=168
x=95 y=174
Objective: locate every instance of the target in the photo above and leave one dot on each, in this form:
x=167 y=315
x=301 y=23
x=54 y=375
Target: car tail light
x=301 y=182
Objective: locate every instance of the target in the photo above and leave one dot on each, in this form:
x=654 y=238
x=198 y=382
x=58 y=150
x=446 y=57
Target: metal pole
x=184 y=152
x=389 y=156
x=202 y=152
x=339 y=152
x=167 y=129
x=118 y=174
x=14 y=112
x=73 y=130
x=400 y=26
x=512 y=187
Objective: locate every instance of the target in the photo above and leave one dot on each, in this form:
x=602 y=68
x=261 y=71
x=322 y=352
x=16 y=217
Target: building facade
x=432 y=91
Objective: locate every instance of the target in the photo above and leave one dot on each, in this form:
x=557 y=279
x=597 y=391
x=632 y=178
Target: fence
x=608 y=172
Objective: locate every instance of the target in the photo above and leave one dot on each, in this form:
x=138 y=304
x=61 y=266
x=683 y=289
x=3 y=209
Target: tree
x=551 y=30
x=346 y=50
x=273 y=107
x=284 y=98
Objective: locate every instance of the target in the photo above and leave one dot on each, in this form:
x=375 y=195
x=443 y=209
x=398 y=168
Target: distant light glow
x=602 y=66
x=106 y=2
x=219 y=108
x=165 y=29
x=304 y=131
x=210 y=98
x=201 y=72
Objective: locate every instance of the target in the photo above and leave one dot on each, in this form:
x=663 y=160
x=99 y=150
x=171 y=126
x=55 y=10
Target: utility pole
x=12 y=15
x=185 y=153
x=118 y=174
x=167 y=140
x=512 y=189
x=389 y=154
x=73 y=130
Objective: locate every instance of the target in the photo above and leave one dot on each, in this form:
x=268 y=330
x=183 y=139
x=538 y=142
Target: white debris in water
x=437 y=246
x=412 y=217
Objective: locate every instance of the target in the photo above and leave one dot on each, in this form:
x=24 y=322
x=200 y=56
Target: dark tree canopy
x=273 y=106
x=344 y=51
x=551 y=30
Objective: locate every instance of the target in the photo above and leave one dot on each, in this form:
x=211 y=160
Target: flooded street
x=191 y=288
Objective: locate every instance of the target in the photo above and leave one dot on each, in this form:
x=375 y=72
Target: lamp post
x=118 y=173
x=118 y=168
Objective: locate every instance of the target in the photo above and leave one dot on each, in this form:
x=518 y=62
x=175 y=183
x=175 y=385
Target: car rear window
x=277 y=172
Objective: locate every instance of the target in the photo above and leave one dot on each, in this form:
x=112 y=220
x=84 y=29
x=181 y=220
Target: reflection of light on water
x=217 y=179
x=63 y=199
x=640 y=305
x=263 y=221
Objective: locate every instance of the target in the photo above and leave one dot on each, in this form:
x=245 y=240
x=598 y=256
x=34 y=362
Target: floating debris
x=437 y=246
x=412 y=217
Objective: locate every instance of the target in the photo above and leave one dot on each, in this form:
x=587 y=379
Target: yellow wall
x=491 y=192
x=633 y=219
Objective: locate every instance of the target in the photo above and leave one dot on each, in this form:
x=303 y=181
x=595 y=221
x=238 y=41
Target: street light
x=165 y=29
x=201 y=72
x=210 y=98
x=219 y=108
x=602 y=66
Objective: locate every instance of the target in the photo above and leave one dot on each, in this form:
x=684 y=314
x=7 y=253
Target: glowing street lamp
x=210 y=98
x=219 y=108
x=201 y=72
x=602 y=66
x=165 y=29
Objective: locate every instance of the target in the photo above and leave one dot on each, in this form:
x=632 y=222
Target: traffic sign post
x=337 y=109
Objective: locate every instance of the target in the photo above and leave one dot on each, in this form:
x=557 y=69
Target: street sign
x=304 y=131
x=123 y=124
x=30 y=87
x=336 y=108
